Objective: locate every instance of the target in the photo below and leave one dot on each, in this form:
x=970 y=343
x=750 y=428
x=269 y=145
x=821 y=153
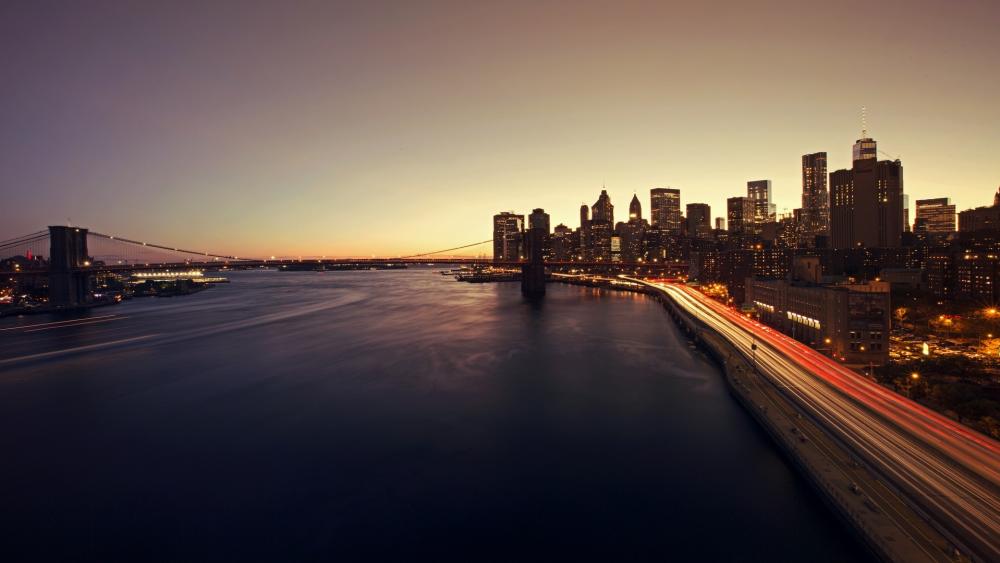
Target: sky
x=389 y=128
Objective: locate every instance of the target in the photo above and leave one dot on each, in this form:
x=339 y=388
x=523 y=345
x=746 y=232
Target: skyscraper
x=815 y=197
x=699 y=220
x=759 y=192
x=602 y=210
x=507 y=236
x=635 y=209
x=665 y=209
x=562 y=242
x=935 y=216
x=739 y=215
x=720 y=223
x=539 y=219
x=866 y=202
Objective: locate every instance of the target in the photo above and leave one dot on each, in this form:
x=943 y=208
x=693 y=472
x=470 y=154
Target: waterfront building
x=632 y=235
x=935 y=216
x=735 y=267
x=539 y=219
x=866 y=201
x=562 y=243
x=699 y=220
x=665 y=209
x=508 y=236
x=616 y=248
x=850 y=321
x=815 y=198
x=759 y=194
x=599 y=234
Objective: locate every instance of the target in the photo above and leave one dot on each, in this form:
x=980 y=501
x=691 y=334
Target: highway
x=951 y=472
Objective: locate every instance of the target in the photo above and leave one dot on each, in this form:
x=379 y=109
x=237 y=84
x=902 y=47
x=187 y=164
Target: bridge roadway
x=950 y=472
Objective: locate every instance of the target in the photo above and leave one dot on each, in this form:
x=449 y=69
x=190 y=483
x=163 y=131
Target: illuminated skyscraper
x=635 y=209
x=539 y=219
x=815 y=197
x=665 y=209
x=935 y=216
x=759 y=192
x=602 y=210
x=866 y=202
x=507 y=236
x=739 y=215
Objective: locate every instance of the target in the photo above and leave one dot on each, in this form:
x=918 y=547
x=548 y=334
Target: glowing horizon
x=397 y=129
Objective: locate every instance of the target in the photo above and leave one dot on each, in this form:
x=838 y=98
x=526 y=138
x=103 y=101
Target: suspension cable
x=170 y=248
x=447 y=249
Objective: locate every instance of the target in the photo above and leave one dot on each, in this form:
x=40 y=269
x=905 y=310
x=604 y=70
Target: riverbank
x=882 y=518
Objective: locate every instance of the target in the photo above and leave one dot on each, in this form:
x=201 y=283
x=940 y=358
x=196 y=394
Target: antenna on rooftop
x=864 y=122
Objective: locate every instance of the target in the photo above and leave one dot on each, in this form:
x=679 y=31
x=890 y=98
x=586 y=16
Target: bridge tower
x=533 y=273
x=70 y=283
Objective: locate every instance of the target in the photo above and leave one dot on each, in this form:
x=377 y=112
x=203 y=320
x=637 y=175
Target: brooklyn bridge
x=68 y=259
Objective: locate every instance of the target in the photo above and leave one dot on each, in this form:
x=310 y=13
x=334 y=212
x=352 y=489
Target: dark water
x=386 y=416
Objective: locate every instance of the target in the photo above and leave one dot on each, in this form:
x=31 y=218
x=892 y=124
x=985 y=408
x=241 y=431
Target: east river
x=393 y=415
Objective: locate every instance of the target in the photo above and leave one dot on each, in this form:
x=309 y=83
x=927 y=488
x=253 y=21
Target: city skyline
x=395 y=130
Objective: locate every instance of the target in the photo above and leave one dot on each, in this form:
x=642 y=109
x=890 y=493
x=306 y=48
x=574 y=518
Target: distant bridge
x=70 y=257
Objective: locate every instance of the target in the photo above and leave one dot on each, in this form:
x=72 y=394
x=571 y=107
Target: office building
x=815 y=197
x=699 y=220
x=507 y=236
x=740 y=215
x=634 y=209
x=759 y=193
x=935 y=216
x=866 y=201
x=665 y=209
x=850 y=321
x=981 y=219
x=602 y=210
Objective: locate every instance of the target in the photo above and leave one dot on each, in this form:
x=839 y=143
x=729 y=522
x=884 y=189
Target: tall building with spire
x=865 y=148
x=602 y=210
x=815 y=197
x=866 y=201
x=635 y=209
